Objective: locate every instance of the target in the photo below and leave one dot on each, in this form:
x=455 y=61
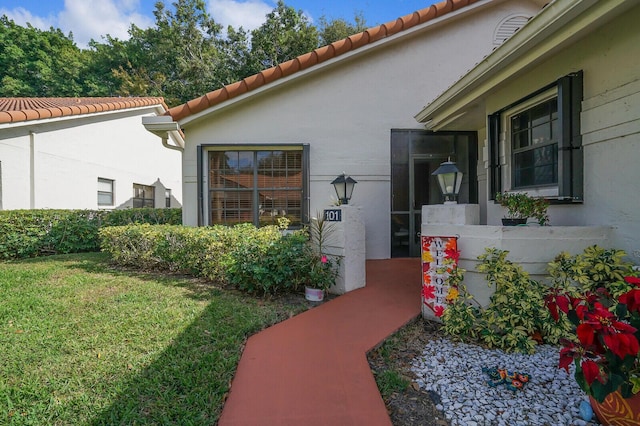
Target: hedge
x=254 y=260
x=29 y=233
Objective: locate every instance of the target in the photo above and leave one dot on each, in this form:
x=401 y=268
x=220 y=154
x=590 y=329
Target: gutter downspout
x=32 y=170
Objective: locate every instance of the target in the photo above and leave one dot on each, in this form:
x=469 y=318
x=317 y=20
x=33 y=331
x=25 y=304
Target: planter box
x=533 y=247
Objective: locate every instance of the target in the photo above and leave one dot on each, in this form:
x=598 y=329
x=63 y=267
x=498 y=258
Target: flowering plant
x=605 y=348
x=322 y=269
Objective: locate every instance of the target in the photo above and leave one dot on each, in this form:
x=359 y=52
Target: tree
x=38 y=63
x=286 y=34
x=177 y=59
x=337 y=29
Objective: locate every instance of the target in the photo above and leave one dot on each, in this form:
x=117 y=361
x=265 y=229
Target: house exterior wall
x=55 y=164
x=610 y=128
x=345 y=111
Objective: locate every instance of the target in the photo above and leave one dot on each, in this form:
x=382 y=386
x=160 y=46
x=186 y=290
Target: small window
x=143 y=196
x=105 y=192
x=534 y=145
x=167 y=198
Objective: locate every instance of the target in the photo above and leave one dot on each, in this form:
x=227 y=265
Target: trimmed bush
x=29 y=233
x=250 y=259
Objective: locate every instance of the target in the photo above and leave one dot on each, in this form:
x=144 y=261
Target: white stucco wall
x=346 y=110
x=610 y=123
x=56 y=163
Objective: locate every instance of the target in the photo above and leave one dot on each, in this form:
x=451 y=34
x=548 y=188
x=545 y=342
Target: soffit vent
x=508 y=27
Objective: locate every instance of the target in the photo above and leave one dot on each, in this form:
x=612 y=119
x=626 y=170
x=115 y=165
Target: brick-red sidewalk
x=312 y=369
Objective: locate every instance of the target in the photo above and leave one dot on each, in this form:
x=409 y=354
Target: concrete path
x=312 y=369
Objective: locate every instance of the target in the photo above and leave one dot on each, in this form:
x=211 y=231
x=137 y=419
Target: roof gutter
x=557 y=18
x=164 y=127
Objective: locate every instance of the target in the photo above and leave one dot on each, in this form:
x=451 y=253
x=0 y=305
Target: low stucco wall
x=533 y=247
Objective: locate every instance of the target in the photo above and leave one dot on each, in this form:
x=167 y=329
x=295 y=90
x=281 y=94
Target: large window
x=105 y=192
x=143 y=196
x=257 y=185
x=535 y=144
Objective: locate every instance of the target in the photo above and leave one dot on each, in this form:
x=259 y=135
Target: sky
x=92 y=19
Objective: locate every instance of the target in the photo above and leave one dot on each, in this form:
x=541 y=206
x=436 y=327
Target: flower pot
x=313 y=294
x=513 y=222
x=617 y=411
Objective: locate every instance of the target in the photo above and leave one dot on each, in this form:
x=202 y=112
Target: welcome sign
x=439 y=258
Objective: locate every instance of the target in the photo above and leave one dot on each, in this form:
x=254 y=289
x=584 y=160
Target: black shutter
x=570 y=154
x=493 y=145
x=200 y=185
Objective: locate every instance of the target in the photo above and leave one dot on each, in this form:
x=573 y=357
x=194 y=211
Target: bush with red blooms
x=605 y=348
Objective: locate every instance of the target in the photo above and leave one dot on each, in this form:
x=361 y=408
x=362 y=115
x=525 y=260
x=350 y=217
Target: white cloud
x=22 y=16
x=87 y=19
x=91 y=20
x=246 y=14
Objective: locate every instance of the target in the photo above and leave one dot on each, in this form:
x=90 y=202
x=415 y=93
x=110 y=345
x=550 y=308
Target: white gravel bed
x=452 y=373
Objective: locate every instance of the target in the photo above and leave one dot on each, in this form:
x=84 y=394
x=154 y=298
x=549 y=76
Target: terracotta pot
x=618 y=411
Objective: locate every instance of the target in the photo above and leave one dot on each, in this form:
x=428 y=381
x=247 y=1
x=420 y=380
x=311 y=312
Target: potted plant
x=604 y=347
x=321 y=269
x=521 y=206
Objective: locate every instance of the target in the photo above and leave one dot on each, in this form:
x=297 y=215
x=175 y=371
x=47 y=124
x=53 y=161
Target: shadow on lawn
x=188 y=381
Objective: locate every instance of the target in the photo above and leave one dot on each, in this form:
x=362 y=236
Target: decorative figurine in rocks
x=501 y=376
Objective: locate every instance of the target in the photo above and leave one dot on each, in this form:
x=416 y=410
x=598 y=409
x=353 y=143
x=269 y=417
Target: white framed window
x=143 y=196
x=105 y=192
x=530 y=146
x=167 y=198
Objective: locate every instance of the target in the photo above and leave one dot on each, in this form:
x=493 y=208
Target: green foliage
x=520 y=205
x=39 y=63
x=29 y=233
x=516 y=312
x=86 y=344
x=286 y=34
x=254 y=260
x=391 y=381
x=337 y=29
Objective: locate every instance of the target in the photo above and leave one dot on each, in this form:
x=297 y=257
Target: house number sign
x=333 y=215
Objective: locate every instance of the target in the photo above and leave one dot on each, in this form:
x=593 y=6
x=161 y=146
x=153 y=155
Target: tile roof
x=319 y=55
x=14 y=110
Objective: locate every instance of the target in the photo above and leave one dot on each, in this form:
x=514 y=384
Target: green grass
x=84 y=344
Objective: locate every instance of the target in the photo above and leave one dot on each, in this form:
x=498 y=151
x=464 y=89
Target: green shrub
x=254 y=260
x=516 y=312
x=29 y=233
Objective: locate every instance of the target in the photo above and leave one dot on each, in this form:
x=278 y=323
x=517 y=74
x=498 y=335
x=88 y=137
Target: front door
x=415 y=154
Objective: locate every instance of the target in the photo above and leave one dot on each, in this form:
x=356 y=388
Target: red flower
x=633 y=280
x=591 y=371
x=617 y=335
x=323 y=259
x=631 y=299
x=556 y=301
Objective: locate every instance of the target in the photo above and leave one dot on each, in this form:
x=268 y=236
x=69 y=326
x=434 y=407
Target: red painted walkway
x=312 y=369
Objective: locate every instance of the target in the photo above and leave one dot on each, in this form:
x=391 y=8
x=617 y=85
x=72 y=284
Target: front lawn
x=83 y=343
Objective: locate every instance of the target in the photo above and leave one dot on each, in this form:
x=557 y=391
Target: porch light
x=449 y=179
x=344 y=187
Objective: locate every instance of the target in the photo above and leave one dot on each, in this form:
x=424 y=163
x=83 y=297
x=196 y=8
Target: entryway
x=415 y=154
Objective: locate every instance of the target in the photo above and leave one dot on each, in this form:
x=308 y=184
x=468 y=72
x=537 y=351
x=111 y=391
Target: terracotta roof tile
x=26 y=109
x=315 y=57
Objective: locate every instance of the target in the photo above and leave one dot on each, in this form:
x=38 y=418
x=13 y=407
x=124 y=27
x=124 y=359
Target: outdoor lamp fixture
x=344 y=187
x=449 y=179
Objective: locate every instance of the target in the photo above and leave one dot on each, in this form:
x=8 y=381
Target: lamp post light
x=344 y=187
x=449 y=179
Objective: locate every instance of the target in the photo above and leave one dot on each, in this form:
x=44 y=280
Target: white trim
x=558 y=24
x=506 y=159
